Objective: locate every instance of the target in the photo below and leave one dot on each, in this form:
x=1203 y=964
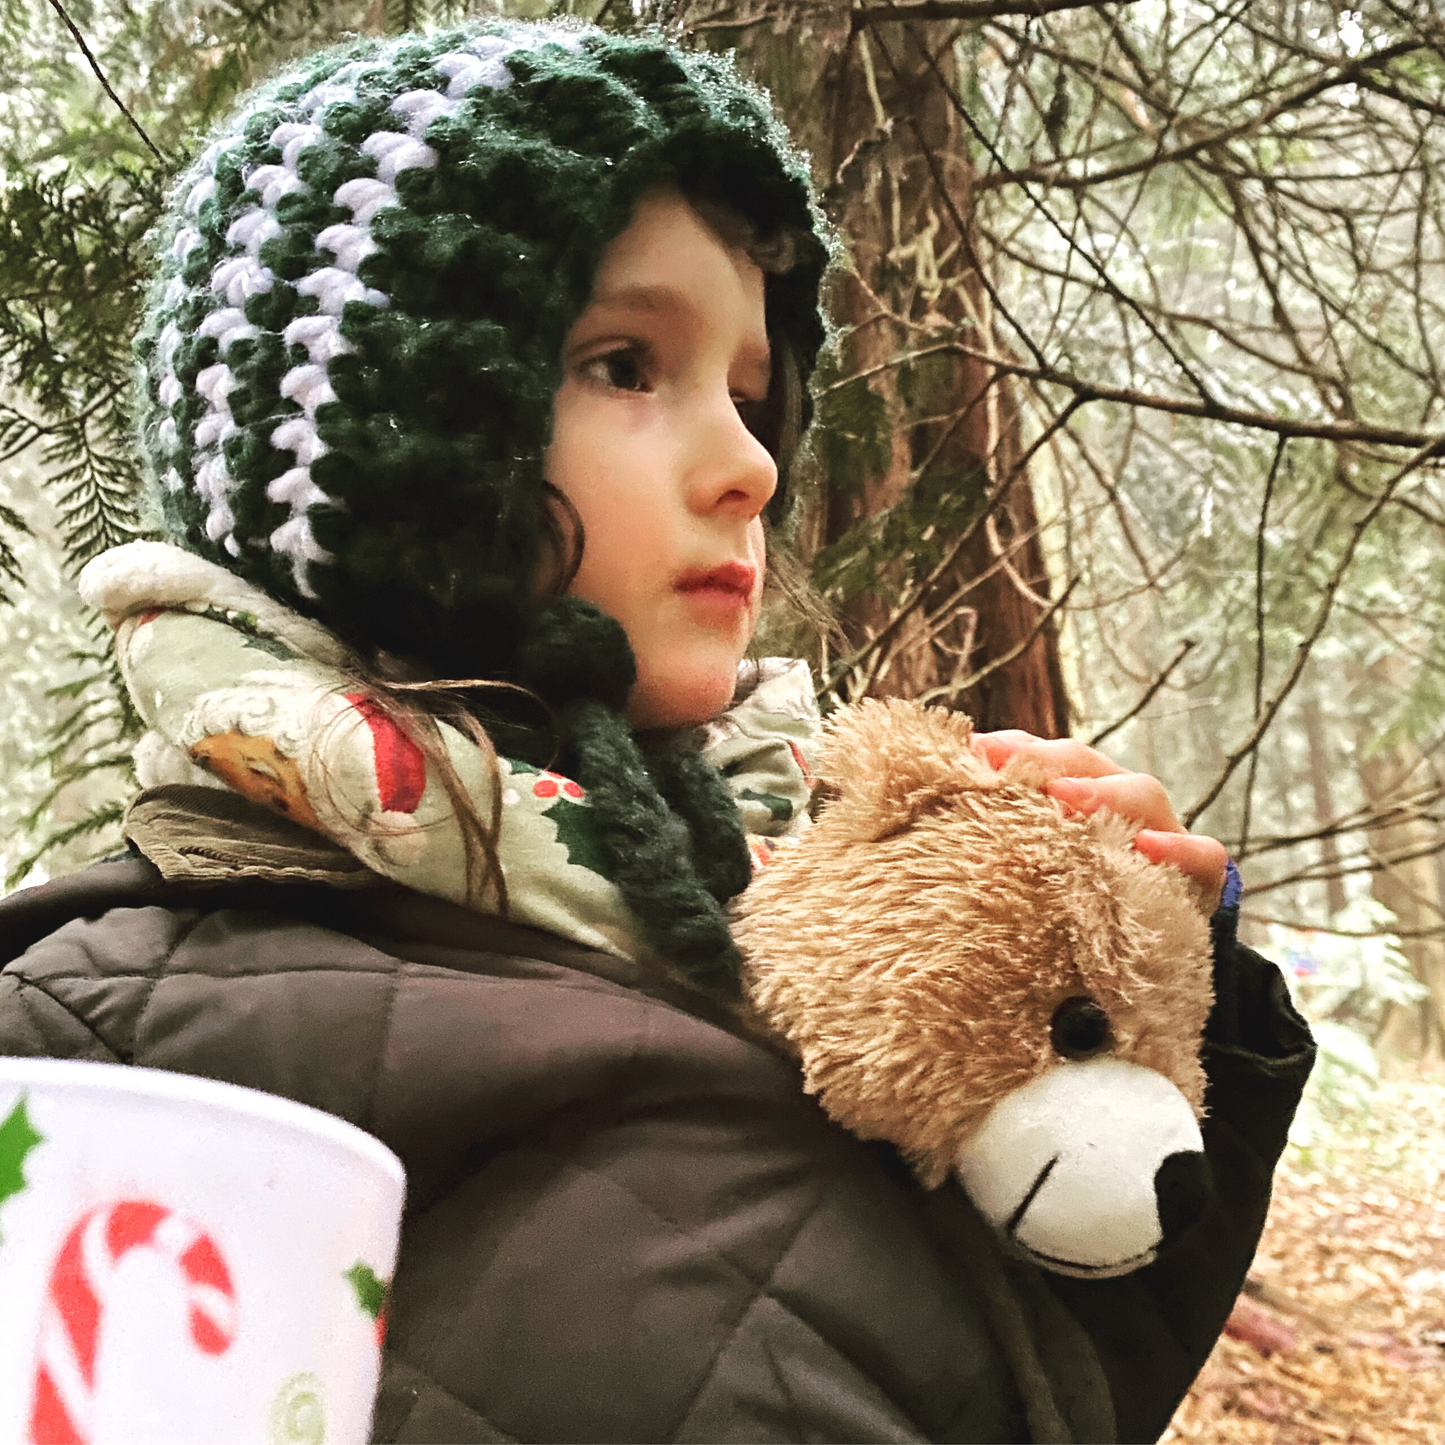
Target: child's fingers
x=1200 y=858
x=1058 y=757
x=1083 y=779
x=1136 y=796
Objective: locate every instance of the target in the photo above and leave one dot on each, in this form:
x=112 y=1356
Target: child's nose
x=736 y=471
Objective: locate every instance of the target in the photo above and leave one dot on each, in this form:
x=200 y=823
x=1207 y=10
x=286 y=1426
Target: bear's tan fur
x=913 y=948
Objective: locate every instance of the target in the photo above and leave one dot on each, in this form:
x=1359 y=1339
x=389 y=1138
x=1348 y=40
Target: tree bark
x=871 y=108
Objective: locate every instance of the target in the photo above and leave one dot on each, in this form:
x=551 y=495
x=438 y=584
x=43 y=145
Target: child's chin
x=683 y=699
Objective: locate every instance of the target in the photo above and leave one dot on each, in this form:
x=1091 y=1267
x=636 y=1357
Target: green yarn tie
x=649 y=848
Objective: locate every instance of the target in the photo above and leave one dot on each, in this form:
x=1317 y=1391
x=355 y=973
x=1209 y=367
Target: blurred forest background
x=1133 y=429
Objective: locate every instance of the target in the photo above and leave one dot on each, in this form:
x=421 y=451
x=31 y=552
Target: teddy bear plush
x=1006 y=992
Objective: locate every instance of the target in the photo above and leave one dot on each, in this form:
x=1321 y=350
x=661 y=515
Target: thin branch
x=1377 y=818
x=100 y=76
x=1429 y=444
x=1347 y=868
x=1346 y=74
x=955 y=102
x=1150 y=693
x=1259 y=549
x=1003 y=660
x=1300 y=926
x=1302 y=652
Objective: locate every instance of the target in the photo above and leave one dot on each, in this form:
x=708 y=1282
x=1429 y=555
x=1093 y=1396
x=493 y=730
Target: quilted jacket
x=625 y=1220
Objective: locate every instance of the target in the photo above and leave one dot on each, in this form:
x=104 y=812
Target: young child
x=471 y=374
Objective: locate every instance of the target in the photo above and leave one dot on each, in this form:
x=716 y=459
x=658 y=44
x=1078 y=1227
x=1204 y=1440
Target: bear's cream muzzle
x=1089 y=1168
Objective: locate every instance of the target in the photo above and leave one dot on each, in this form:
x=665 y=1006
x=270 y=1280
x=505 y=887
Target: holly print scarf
x=240 y=692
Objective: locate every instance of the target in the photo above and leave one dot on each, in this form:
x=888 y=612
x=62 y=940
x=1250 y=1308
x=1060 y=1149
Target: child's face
x=650 y=446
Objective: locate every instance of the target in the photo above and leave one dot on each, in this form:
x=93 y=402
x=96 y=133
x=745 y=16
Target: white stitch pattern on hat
x=238 y=277
x=364 y=197
x=333 y=288
x=252 y=229
x=296 y=434
x=199 y=194
x=309 y=387
x=241 y=277
x=320 y=337
x=351 y=245
x=421 y=107
x=186 y=240
x=227 y=325
x=466 y=72
x=395 y=151
x=274 y=182
x=213 y=482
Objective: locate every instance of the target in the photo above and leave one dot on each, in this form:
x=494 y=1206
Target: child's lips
x=726 y=587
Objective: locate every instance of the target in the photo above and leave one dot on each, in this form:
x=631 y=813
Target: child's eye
x=622 y=370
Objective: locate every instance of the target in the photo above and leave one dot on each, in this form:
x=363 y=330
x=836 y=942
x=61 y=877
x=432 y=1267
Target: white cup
x=186 y=1261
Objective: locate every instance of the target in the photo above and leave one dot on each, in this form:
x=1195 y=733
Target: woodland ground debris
x=1340 y=1334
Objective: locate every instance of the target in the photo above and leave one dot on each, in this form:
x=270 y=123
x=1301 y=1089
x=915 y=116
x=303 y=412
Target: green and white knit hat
x=357 y=328
x=350 y=355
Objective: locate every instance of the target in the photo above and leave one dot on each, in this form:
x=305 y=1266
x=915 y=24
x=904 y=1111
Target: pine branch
x=105 y=816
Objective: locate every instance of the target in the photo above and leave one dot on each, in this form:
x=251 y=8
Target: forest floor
x=1341 y=1332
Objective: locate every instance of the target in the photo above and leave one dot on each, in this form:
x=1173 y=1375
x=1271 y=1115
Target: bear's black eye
x=1080 y=1028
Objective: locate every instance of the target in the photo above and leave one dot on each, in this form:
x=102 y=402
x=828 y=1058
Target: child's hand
x=1084 y=779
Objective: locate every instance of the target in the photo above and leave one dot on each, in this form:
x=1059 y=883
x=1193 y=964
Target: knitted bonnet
x=353 y=342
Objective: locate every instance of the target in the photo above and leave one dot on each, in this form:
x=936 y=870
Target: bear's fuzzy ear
x=885 y=763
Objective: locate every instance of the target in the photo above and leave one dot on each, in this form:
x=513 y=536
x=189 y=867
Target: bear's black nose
x=1182 y=1186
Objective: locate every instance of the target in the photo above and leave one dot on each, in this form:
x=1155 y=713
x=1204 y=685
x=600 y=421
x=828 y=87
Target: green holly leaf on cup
x=371 y=1292
x=369 y=1286
x=17 y=1138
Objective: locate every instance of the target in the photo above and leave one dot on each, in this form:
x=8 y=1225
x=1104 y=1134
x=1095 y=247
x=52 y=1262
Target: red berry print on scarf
x=550 y=785
x=801 y=761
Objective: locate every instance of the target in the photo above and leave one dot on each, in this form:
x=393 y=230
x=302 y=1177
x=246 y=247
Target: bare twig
x=1259 y=548
x=100 y=76
x=1017 y=650
x=1299 y=925
x=1150 y=693
x=1429 y=443
x=1302 y=652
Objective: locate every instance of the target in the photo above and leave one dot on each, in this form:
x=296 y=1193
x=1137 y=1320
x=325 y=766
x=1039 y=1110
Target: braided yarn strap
x=649 y=849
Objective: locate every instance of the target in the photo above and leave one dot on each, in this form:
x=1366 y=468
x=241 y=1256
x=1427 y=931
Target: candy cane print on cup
x=293 y=1201
x=76 y=1305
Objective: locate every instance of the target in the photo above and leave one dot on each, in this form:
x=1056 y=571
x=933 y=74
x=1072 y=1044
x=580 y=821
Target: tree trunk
x=873 y=106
